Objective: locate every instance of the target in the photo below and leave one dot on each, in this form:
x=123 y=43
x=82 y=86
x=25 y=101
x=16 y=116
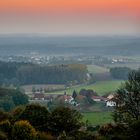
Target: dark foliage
x=4 y=115
x=37 y=115
x=22 y=73
x=11 y=98
x=87 y=92
x=134 y=130
x=64 y=119
x=120 y=72
x=3 y=136
x=128 y=99
x=74 y=94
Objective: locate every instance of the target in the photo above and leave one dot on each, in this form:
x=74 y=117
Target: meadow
x=98 y=118
x=96 y=69
x=101 y=87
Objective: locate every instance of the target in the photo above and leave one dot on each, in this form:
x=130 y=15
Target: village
x=83 y=100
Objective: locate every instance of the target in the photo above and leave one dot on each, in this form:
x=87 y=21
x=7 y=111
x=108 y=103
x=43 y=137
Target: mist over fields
x=96 y=45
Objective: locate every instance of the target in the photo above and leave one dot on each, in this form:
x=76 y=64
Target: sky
x=70 y=17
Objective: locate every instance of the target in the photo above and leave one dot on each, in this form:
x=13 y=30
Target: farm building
x=98 y=98
x=110 y=102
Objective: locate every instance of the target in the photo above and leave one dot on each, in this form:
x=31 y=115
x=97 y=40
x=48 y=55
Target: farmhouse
x=67 y=99
x=111 y=96
x=110 y=102
x=98 y=98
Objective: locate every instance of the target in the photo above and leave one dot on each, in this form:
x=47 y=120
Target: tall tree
x=74 y=94
x=128 y=99
x=64 y=119
x=37 y=116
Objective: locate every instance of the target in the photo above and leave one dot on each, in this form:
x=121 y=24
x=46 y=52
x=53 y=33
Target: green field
x=101 y=87
x=96 y=69
x=98 y=118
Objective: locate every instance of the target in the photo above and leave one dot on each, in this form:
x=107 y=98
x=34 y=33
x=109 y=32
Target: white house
x=110 y=102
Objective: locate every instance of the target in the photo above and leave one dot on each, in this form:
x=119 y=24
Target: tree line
x=25 y=73
x=120 y=72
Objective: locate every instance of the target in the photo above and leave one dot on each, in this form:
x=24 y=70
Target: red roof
x=99 y=97
x=67 y=97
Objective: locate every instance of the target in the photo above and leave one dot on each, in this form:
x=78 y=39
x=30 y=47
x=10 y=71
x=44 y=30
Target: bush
x=134 y=130
x=37 y=115
x=114 y=131
x=64 y=119
x=22 y=130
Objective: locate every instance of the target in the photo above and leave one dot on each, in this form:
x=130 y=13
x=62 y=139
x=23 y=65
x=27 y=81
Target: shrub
x=37 y=115
x=22 y=130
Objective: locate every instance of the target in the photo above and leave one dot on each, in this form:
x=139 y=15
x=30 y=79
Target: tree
x=22 y=130
x=87 y=92
x=128 y=99
x=134 y=130
x=74 y=94
x=19 y=98
x=64 y=119
x=7 y=103
x=120 y=72
x=37 y=115
x=16 y=112
x=11 y=98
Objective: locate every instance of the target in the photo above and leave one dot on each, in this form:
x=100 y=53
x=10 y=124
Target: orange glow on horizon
x=129 y=7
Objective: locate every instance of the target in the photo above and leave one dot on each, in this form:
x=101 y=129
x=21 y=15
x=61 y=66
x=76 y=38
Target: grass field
x=96 y=69
x=98 y=118
x=101 y=87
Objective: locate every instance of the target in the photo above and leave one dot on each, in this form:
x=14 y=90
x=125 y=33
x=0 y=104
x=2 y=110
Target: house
x=110 y=102
x=68 y=98
x=111 y=96
x=98 y=98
